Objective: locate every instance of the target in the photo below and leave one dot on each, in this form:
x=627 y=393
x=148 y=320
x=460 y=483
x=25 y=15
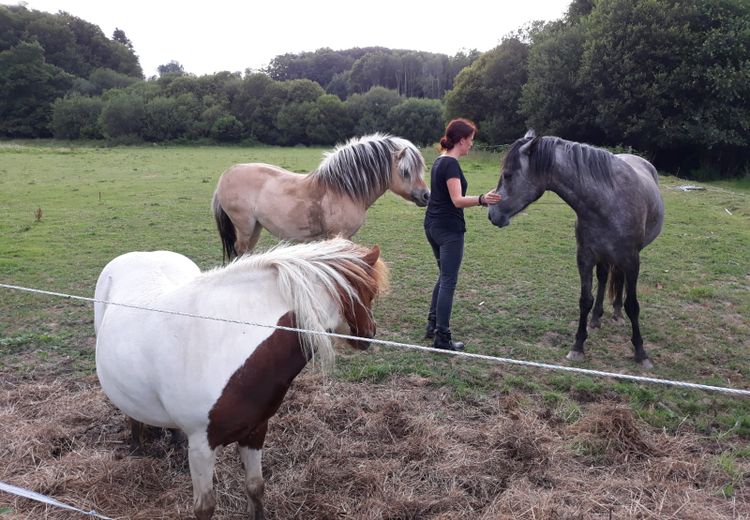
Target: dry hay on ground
x=401 y=450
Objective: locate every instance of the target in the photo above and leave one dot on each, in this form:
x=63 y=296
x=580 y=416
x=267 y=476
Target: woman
x=444 y=226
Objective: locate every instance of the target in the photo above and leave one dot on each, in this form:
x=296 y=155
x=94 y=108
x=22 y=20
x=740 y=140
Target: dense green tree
x=489 y=91
x=173 y=67
x=302 y=90
x=227 y=129
x=123 y=115
x=410 y=73
x=119 y=36
x=328 y=122
x=369 y=111
x=672 y=77
x=28 y=86
x=419 y=120
x=77 y=117
x=104 y=79
x=553 y=98
x=292 y=122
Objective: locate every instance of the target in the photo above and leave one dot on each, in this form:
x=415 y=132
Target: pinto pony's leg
x=137 y=436
x=251 y=453
x=602 y=272
x=202 y=460
x=586 y=301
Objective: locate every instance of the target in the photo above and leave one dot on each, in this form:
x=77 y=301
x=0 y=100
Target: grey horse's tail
x=614 y=272
x=227 y=233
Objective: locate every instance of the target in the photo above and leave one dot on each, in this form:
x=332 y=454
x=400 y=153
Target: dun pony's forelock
x=337 y=265
x=361 y=167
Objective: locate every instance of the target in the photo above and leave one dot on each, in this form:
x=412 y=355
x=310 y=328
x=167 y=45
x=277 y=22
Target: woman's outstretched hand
x=490 y=198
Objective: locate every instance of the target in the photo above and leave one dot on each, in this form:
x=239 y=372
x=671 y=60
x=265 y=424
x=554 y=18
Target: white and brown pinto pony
x=328 y=202
x=220 y=380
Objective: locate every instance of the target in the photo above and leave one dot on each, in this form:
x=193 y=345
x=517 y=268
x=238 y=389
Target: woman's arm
x=454 y=188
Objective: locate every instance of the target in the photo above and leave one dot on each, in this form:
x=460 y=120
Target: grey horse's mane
x=591 y=163
x=361 y=167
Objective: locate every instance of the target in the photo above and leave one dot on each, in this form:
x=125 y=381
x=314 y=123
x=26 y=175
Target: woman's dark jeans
x=448 y=248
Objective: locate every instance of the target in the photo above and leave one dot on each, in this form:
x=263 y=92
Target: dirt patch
x=400 y=450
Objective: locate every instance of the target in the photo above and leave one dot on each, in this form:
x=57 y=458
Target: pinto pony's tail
x=227 y=233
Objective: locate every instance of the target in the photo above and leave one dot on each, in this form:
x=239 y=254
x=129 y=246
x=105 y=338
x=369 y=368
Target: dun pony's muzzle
x=420 y=197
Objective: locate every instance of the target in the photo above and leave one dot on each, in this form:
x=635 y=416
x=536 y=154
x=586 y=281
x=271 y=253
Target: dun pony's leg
x=633 y=309
x=202 y=460
x=247 y=237
x=602 y=272
x=619 y=282
x=585 y=267
x=251 y=453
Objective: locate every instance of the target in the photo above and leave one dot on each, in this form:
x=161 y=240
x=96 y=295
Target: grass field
x=66 y=211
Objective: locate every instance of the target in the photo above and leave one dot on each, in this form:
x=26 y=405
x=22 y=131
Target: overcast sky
x=219 y=35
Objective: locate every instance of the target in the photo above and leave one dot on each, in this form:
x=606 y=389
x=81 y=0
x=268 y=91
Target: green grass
x=66 y=211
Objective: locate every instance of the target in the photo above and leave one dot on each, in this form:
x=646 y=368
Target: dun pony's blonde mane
x=361 y=167
x=337 y=265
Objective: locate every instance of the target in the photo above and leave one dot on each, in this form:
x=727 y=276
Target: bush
x=76 y=117
x=227 y=129
x=419 y=120
x=123 y=116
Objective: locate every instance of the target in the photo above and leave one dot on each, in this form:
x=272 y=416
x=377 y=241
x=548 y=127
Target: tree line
x=668 y=78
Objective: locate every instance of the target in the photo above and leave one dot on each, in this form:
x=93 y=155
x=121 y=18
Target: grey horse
x=619 y=212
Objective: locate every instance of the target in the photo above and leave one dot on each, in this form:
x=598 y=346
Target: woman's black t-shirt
x=441 y=213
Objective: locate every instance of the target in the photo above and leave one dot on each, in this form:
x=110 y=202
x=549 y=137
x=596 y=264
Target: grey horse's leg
x=586 y=301
x=618 y=281
x=632 y=308
x=602 y=272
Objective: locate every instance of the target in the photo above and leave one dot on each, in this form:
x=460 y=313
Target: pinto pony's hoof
x=574 y=355
x=646 y=364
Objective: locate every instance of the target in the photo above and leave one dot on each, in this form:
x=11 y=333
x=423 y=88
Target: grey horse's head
x=520 y=184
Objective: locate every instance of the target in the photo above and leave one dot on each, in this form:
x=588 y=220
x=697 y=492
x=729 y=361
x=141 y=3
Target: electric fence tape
x=470 y=355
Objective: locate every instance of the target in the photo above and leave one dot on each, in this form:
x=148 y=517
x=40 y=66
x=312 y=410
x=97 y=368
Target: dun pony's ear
x=530 y=133
x=400 y=154
x=372 y=256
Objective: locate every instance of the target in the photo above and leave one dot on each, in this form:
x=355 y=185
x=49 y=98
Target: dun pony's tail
x=227 y=233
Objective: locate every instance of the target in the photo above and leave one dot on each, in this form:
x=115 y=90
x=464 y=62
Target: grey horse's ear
x=530 y=133
x=530 y=146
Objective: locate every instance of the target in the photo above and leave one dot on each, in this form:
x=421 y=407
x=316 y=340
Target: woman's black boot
x=429 y=332
x=443 y=341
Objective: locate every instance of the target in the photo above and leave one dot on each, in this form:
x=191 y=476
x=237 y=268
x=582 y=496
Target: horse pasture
x=392 y=433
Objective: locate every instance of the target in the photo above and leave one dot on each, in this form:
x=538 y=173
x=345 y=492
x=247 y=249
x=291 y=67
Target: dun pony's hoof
x=646 y=364
x=617 y=316
x=574 y=355
x=595 y=324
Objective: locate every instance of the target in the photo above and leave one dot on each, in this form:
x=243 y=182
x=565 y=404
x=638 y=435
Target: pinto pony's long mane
x=335 y=265
x=361 y=167
x=594 y=165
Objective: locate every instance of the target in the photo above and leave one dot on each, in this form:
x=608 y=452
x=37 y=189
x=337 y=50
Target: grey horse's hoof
x=646 y=364
x=574 y=355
